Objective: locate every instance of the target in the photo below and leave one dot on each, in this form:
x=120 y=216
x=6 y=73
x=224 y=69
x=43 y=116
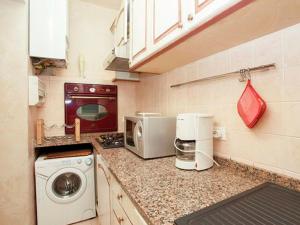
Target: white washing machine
x=65 y=190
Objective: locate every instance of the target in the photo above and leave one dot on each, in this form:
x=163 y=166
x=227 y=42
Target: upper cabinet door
x=138 y=21
x=120 y=25
x=48 y=29
x=201 y=4
x=166 y=18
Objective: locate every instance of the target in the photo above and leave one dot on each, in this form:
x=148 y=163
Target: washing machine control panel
x=88 y=161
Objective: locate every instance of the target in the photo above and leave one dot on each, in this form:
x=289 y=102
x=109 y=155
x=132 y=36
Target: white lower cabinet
x=114 y=206
x=103 y=192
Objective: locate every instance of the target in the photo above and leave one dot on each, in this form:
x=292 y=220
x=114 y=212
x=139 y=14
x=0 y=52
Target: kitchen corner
x=162 y=193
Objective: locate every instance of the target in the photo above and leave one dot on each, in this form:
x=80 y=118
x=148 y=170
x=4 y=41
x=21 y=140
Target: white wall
x=16 y=155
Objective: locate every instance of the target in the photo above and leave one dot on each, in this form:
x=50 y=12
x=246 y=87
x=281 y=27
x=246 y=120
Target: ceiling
x=112 y=4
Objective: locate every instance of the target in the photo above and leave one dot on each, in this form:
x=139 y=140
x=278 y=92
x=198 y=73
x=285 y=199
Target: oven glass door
x=96 y=114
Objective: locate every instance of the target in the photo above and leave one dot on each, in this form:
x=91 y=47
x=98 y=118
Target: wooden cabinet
x=165 y=22
x=103 y=191
x=138 y=27
x=114 y=205
x=119 y=26
x=179 y=32
x=119 y=196
x=201 y=4
x=119 y=213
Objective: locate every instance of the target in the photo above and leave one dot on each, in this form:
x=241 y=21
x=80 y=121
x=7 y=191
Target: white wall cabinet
x=114 y=206
x=164 y=22
x=48 y=29
x=166 y=18
x=138 y=27
x=119 y=27
x=178 y=32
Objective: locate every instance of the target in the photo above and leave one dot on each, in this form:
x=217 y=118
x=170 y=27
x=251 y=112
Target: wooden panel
x=114 y=219
x=138 y=26
x=119 y=212
x=39 y=131
x=224 y=31
x=121 y=197
x=201 y=4
x=165 y=21
x=103 y=192
x=119 y=29
x=74 y=153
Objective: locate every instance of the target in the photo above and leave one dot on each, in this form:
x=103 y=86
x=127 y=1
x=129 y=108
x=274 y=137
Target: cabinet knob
x=120 y=220
x=119 y=196
x=190 y=17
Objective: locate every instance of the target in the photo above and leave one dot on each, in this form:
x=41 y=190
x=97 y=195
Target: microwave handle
x=135 y=137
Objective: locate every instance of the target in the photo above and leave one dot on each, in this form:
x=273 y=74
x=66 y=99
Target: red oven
x=96 y=106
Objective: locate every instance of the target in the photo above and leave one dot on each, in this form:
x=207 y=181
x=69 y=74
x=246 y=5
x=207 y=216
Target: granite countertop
x=162 y=193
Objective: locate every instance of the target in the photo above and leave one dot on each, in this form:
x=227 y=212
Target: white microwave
x=150 y=136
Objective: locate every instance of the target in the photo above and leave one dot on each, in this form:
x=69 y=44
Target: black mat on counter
x=267 y=204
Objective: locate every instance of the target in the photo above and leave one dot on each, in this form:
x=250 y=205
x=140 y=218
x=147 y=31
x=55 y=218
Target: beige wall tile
x=291 y=84
x=291 y=118
x=269 y=50
x=291 y=48
x=265 y=145
x=241 y=56
x=272 y=122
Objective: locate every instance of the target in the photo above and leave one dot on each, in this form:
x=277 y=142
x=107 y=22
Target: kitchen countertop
x=162 y=193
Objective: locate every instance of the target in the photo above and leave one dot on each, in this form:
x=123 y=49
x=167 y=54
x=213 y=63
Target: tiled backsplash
x=274 y=144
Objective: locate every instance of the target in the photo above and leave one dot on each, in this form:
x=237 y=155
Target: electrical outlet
x=220 y=133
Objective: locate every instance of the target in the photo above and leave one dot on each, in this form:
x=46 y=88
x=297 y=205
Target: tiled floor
x=88 y=222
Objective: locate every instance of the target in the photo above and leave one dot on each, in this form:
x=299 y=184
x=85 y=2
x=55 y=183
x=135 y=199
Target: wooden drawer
x=124 y=201
x=118 y=213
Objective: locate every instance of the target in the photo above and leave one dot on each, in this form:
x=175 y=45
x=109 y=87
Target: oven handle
x=91 y=97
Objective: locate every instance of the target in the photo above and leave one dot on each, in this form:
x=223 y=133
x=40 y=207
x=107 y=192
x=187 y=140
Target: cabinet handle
x=119 y=196
x=190 y=17
x=180 y=25
x=120 y=220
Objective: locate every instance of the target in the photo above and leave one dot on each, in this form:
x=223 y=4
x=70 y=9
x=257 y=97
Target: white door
x=138 y=136
x=66 y=185
x=166 y=18
x=120 y=25
x=103 y=193
x=201 y=4
x=48 y=28
x=138 y=21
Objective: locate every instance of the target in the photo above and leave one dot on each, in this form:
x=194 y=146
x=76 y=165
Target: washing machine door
x=66 y=185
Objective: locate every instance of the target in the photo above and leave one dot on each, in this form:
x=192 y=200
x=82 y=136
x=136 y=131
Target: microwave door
x=138 y=136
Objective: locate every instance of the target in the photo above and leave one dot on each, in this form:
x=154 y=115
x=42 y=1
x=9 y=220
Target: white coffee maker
x=194 y=141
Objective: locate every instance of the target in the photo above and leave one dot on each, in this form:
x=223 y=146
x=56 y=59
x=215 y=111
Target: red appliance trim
x=78 y=95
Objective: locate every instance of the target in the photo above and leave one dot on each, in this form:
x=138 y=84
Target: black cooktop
x=267 y=204
x=111 y=140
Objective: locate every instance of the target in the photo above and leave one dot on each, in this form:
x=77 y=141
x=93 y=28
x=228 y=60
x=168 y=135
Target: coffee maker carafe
x=194 y=141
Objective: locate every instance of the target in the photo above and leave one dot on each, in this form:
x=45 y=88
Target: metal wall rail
x=244 y=74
